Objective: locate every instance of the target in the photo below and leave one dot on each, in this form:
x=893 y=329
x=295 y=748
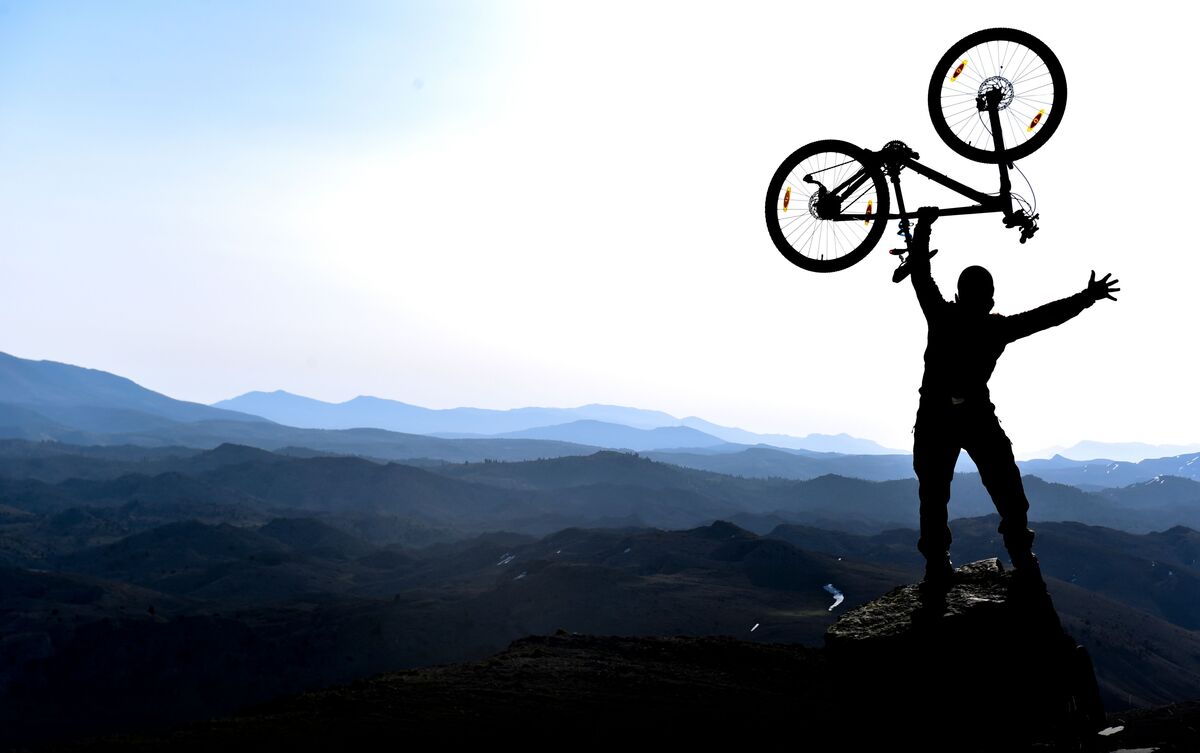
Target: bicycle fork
x=990 y=101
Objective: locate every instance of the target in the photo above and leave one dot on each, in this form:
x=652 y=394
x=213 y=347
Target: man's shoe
x=1024 y=560
x=939 y=573
x=1026 y=568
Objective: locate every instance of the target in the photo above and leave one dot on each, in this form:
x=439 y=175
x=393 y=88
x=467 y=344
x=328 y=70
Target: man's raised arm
x=1056 y=312
x=928 y=295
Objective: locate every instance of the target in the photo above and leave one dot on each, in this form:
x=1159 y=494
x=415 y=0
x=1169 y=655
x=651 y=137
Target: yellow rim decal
x=958 y=71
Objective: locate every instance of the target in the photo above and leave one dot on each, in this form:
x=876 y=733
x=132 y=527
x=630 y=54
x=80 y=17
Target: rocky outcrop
x=981 y=665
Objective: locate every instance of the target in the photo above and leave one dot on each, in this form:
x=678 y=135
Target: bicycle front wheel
x=1032 y=86
x=823 y=205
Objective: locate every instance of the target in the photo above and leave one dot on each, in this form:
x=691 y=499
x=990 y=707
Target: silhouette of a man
x=955 y=409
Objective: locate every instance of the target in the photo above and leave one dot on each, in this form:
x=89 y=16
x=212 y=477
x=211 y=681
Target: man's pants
x=938 y=435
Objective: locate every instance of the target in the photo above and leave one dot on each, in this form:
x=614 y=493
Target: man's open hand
x=1102 y=288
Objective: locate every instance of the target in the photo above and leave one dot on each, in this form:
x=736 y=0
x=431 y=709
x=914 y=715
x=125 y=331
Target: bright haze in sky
x=502 y=205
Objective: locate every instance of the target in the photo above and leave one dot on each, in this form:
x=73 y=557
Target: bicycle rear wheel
x=838 y=239
x=1033 y=94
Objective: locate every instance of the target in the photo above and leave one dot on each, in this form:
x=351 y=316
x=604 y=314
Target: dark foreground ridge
x=983 y=666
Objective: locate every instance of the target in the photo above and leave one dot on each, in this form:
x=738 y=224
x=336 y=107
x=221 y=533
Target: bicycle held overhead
x=995 y=96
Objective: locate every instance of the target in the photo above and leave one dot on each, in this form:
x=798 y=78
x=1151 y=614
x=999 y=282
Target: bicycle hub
x=995 y=91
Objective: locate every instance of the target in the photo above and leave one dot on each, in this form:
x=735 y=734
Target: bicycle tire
x=1028 y=110
x=838 y=243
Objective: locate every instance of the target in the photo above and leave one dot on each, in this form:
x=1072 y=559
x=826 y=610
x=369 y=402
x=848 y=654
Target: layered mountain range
x=44 y=400
x=164 y=561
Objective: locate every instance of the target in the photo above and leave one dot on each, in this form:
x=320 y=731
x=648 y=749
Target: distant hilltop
x=535 y=423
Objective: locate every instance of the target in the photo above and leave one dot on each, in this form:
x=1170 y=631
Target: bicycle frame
x=895 y=156
x=891 y=164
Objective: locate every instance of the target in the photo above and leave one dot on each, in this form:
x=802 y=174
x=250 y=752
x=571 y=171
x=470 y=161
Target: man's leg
x=935 y=451
x=991 y=450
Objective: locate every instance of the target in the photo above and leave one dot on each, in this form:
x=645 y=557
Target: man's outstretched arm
x=928 y=295
x=1056 y=312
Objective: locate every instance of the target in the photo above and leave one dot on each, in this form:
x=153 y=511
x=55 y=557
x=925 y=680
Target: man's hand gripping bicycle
x=918 y=253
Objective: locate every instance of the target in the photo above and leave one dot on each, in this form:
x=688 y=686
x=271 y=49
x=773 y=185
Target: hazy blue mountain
x=604 y=488
x=1109 y=473
x=46 y=397
x=728 y=448
x=843 y=443
x=22 y=422
x=48 y=401
x=295 y=410
x=373 y=412
x=375 y=443
x=766 y=462
x=1159 y=491
x=1130 y=452
x=601 y=434
x=638 y=418
x=44 y=400
x=174 y=437
x=772 y=462
x=831 y=501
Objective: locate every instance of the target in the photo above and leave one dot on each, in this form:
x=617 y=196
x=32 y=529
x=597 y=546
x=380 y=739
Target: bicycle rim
x=1033 y=94
x=803 y=237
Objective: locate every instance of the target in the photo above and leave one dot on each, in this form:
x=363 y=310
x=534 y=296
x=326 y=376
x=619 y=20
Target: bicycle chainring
x=893 y=152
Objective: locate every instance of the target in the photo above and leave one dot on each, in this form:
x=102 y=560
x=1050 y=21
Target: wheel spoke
x=1015 y=134
x=1026 y=75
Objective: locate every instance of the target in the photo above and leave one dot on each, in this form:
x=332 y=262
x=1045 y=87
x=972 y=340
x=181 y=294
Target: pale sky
x=511 y=204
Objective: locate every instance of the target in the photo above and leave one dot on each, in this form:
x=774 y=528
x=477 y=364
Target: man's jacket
x=963 y=347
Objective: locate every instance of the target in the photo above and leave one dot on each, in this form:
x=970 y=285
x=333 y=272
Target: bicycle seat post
x=895 y=176
x=894 y=152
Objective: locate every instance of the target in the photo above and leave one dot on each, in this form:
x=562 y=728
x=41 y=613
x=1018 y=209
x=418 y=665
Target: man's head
x=975 y=290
